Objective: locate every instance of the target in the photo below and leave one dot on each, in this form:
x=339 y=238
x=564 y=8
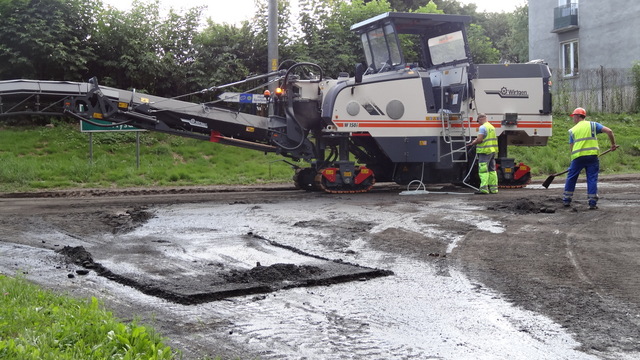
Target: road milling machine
x=394 y=121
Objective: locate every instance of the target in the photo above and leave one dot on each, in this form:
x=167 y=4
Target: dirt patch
x=129 y=220
x=526 y=206
x=568 y=263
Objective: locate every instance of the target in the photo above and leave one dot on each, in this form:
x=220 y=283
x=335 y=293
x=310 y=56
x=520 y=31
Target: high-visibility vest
x=585 y=141
x=490 y=142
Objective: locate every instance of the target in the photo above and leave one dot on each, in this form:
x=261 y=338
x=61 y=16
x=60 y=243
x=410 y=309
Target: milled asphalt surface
x=425 y=307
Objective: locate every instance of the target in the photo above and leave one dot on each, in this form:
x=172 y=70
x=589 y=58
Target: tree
x=177 y=52
x=518 y=39
x=312 y=44
x=496 y=27
x=46 y=39
x=407 y=5
x=335 y=47
x=456 y=8
x=429 y=8
x=285 y=25
x=127 y=47
x=143 y=50
x=226 y=53
x=169 y=56
x=482 y=50
x=509 y=33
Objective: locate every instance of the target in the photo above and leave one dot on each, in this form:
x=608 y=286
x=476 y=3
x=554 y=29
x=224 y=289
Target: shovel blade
x=548 y=182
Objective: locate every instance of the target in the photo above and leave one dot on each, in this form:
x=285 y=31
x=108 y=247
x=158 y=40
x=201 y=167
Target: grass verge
x=57 y=157
x=40 y=325
x=555 y=157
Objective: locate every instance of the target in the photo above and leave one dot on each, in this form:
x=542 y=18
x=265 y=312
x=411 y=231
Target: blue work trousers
x=591 y=164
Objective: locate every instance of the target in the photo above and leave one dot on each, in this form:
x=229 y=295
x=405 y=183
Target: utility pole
x=272 y=47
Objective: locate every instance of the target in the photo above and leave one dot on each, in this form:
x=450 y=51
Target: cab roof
x=411 y=23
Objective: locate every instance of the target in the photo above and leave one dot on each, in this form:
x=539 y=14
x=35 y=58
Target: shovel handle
x=566 y=171
x=606 y=151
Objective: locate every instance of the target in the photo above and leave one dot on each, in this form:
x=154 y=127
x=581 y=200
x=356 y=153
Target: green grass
x=555 y=157
x=58 y=157
x=40 y=325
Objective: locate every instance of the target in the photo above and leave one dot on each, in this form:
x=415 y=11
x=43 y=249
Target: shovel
x=549 y=180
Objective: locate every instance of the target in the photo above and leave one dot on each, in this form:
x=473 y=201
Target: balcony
x=565 y=18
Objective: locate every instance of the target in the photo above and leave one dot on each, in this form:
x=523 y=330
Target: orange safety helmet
x=579 y=111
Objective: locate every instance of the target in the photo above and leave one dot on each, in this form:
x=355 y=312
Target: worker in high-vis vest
x=487 y=150
x=584 y=155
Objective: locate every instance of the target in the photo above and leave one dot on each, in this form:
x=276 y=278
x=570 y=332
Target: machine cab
x=441 y=56
x=442 y=40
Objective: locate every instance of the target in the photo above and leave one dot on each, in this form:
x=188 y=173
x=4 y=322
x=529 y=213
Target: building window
x=569 y=58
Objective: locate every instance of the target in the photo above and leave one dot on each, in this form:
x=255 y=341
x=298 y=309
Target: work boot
x=480 y=193
x=593 y=207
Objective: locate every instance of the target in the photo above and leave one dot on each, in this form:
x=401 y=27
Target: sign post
x=91 y=128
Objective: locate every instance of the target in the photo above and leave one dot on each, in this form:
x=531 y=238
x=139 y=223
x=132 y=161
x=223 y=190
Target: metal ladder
x=456 y=132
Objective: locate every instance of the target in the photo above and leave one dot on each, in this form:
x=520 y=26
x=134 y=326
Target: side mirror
x=360 y=70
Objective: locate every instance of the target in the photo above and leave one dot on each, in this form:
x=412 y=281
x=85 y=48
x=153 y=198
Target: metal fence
x=597 y=90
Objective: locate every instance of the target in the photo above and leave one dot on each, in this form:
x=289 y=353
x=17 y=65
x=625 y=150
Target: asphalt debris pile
x=236 y=282
x=77 y=255
x=525 y=206
x=273 y=273
x=129 y=220
x=80 y=256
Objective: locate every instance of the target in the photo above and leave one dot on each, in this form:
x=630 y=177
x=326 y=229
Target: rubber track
x=349 y=191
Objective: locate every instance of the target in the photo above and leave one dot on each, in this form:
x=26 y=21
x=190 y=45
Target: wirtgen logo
x=508 y=93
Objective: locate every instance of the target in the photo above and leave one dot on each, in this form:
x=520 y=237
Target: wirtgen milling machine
x=394 y=121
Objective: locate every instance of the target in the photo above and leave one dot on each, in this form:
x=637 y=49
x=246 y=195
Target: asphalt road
x=443 y=274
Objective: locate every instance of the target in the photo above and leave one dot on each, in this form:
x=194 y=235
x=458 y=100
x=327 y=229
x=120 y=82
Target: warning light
x=267 y=93
x=97 y=115
x=279 y=92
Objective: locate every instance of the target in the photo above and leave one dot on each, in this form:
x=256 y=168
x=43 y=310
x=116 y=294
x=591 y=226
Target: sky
x=235 y=11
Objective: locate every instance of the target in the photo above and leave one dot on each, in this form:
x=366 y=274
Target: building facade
x=591 y=47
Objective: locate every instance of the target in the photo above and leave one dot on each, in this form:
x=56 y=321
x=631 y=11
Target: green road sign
x=86 y=127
